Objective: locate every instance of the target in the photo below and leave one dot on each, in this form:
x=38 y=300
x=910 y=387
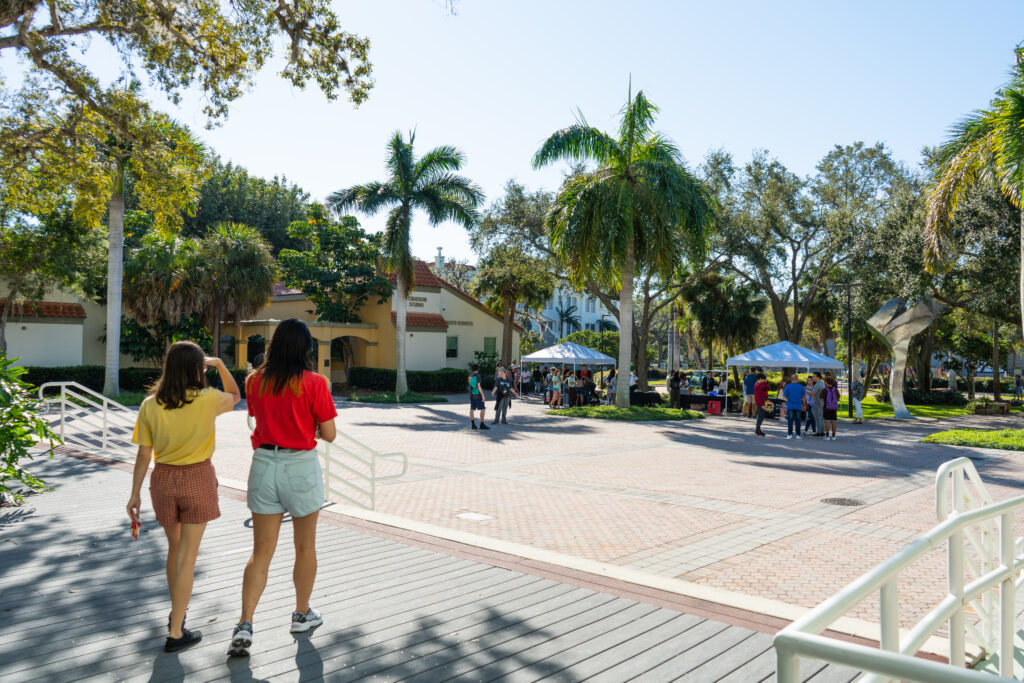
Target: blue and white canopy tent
x=785 y=354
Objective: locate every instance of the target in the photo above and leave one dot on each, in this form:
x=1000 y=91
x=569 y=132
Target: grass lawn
x=1006 y=439
x=873 y=408
x=633 y=414
x=389 y=397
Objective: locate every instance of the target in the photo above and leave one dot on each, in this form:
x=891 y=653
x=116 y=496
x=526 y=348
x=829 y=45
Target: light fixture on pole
x=848 y=286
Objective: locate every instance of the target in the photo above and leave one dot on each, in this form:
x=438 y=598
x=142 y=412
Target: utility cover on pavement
x=845 y=502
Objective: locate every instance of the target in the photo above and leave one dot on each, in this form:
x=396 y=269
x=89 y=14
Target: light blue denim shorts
x=285 y=481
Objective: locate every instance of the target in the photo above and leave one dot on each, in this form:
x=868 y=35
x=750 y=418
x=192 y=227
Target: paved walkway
x=81 y=601
x=702 y=501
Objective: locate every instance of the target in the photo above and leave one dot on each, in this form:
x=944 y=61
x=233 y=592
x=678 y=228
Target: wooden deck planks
x=392 y=611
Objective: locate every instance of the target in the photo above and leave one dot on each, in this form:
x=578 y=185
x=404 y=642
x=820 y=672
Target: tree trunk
x=971 y=374
x=641 y=359
x=506 y=330
x=216 y=328
x=996 y=383
x=115 y=242
x=625 y=330
x=401 y=306
x=8 y=305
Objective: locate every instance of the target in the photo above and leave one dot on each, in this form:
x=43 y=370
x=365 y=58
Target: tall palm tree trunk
x=401 y=306
x=625 y=323
x=8 y=307
x=506 y=330
x=115 y=241
x=996 y=380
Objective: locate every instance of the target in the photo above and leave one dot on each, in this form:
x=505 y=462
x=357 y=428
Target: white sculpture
x=896 y=323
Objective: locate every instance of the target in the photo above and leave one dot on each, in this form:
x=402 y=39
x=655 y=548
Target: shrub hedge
x=449 y=380
x=932 y=398
x=130 y=379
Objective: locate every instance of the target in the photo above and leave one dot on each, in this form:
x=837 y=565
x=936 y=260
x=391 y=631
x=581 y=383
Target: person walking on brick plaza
x=795 y=395
x=176 y=424
x=830 y=406
x=549 y=379
x=476 y=398
x=857 y=395
x=749 y=405
x=292 y=406
x=504 y=389
x=760 y=397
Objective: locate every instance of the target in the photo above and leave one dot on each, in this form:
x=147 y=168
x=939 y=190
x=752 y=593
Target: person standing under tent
x=795 y=395
x=830 y=409
x=760 y=397
x=809 y=394
x=549 y=379
x=819 y=405
x=857 y=395
x=749 y=381
x=556 y=390
x=610 y=382
x=536 y=377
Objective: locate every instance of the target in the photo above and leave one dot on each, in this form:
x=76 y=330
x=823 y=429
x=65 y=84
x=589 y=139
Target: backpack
x=832 y=398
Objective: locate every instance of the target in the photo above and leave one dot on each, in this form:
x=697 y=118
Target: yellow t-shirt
x=185 y=435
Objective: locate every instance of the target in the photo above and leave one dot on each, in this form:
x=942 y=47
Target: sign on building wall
x=417 y=301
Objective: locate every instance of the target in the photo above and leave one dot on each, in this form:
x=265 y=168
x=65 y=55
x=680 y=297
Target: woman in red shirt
x=292 y=405
x=760 y=396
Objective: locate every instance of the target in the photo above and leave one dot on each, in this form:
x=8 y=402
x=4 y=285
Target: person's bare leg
x=185 y=563
x=304 y=573
x=173 y=538
x=265 y=530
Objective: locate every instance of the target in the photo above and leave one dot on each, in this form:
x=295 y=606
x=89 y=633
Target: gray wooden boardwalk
x=80 y=601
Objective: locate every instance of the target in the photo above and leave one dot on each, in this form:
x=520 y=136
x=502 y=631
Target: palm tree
x=987 y=146
x=567 y=318
x=640 y=208
x=233 y=276
x=428 y=184
x=506 y=279
x=724 y=311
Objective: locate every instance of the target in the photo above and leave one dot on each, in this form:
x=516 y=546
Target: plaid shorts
x=184 y=493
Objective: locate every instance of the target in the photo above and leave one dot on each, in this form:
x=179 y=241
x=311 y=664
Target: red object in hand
x=136 y=526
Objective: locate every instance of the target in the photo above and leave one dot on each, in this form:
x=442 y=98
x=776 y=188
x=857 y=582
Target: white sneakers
x=303 y=621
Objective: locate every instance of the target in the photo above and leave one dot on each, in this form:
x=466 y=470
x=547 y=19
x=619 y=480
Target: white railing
x=361 y=464
x=980 y=545
x=89 y=420
x=346 y=455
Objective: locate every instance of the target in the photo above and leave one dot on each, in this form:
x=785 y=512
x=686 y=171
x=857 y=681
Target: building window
x=452 y=350
x=490 y=345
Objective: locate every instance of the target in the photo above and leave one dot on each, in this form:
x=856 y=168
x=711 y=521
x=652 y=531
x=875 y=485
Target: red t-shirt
x=287 y=420
x=760 y=393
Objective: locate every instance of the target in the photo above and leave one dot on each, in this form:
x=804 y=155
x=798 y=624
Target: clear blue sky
x=498 y=77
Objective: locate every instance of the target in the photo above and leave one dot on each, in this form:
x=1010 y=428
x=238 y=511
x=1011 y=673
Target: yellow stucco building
x=445 y=328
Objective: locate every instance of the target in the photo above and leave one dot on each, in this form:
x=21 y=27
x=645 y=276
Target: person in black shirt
x=537 y=378
x=503 y=392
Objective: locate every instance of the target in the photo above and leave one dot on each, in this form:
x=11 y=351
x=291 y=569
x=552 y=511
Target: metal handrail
x=107 y=425
x=896 y=657
x=336 y=456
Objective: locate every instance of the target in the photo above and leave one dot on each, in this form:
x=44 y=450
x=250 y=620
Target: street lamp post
x=848 y=286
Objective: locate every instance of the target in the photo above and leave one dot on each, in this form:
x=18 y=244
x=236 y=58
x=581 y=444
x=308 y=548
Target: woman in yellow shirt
x=175 y=424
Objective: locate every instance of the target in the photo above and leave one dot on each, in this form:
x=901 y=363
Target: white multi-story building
x=566 y=303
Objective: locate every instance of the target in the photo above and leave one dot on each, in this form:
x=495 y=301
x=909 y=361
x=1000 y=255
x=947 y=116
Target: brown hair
x=183 y=374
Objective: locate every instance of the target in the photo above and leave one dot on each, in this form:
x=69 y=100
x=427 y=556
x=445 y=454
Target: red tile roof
x=423 y=320
x=422 y=276
x=45 y=309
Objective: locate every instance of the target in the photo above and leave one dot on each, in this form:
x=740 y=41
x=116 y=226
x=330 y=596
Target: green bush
x=932 y=398
x=21 y=430
x=655 y=373
x=449 y=380
x=91 y=376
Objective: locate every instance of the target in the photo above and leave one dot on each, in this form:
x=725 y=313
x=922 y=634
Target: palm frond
x=370 y=198
x=637 y=120
x=578 y=142
x=397 y=257
x=440 y=160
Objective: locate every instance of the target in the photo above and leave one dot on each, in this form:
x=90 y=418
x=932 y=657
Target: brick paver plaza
x=702 y=502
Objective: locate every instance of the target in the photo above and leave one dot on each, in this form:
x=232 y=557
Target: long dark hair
x=289 y=355
x=183 y=374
